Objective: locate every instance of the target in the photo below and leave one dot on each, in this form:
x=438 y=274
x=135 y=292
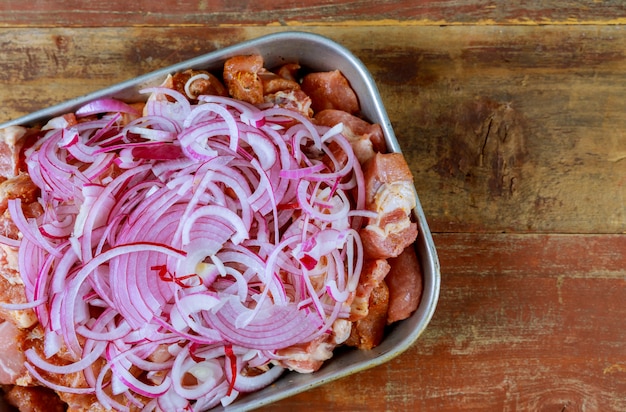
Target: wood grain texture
x=40 y=67
x=513 y=119
x=76 y=13
x=524 y=323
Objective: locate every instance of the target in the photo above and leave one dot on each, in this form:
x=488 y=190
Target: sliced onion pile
x=184 y=248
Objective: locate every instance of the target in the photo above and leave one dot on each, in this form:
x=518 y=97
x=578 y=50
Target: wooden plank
x=524 y=322
x=74 y=13
x=505 y=128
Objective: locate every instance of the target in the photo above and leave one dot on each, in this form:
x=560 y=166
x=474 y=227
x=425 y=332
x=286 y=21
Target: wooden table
x=513 y=118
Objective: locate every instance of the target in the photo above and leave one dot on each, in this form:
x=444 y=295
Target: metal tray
x=317 y=53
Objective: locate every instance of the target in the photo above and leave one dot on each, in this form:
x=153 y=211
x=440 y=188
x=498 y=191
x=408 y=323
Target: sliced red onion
x=105 y=105
x=28 y=227
x=208 y=373
x=159 y=105
x=254 y=383
x=118 y=332
x=190 y=81
x=85 y=361
x=139 y=387
x=302 y=172
x=22 y=306
x=54 y=386
x=7 y=241
x=198 y=228
x=335 y=293
x=171 y=401
x=274 y=327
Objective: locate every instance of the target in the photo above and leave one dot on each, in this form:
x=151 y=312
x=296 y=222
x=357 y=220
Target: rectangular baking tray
x=317 y=53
